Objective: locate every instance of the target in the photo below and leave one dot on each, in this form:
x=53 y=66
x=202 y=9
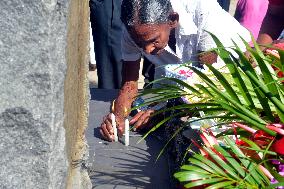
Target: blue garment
x=225 y=4
x=107 y=29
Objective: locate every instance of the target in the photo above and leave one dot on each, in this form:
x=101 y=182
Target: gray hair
x=145 y=12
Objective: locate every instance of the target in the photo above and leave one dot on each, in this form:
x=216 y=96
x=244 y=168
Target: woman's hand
x=106 y=129
x=142 y=120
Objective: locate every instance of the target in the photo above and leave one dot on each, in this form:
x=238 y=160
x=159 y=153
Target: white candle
x=113 y=123
x=126 y=132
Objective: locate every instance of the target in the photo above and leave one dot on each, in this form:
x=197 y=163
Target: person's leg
x=115 y=43
x=106 y=27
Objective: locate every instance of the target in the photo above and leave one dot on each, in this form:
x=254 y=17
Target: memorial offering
x=126 y=132
x=113 y=122
x=238 y=113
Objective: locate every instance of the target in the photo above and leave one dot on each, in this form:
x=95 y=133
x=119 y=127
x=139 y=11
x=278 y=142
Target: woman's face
x=152 y=38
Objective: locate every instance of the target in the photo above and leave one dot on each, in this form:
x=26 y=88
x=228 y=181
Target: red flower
x=278 y=146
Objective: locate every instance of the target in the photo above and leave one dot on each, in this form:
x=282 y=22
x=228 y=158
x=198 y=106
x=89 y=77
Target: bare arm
x=122 y=104
x=272 y=25
x=128 y=91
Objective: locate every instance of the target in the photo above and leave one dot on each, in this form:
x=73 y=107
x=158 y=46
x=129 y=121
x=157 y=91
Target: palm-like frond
x=252 y=95
x=243 y=90
x=222 y=168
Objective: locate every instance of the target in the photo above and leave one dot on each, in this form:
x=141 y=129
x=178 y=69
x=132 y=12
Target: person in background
x=273 y=23
x=107 y=31
x=225 y=4
x=250 y=14
x=148 y=25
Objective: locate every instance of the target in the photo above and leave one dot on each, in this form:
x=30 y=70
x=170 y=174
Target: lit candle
x=113 y=123
x=126 y=132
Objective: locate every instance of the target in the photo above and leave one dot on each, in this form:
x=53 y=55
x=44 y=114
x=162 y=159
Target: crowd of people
x=167 y=32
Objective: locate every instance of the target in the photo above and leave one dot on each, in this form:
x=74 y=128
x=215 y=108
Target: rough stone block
x=35 y=136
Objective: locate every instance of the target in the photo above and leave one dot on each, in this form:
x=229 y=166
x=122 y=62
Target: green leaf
x=221 y=185
x=200 y=164
x=225 y=83
x=246 y=67
x=278 y=104
x=245 y=117
x=190 y=176
x=223 y=164
x=281 y=54
x=239 y=106
x=216 y=168
x=248 y=163
x=203 y=182
x=194 y=168
x=231 y=160
x=275 y=185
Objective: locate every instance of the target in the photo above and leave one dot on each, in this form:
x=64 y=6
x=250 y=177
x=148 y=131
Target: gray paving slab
x=113 y=165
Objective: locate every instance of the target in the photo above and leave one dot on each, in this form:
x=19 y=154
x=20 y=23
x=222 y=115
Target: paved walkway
x=113 y=165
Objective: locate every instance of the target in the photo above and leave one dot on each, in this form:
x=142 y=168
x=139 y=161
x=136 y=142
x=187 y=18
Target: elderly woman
x=148 y=25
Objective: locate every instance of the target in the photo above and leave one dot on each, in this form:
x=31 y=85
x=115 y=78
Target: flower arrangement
x=248 y=103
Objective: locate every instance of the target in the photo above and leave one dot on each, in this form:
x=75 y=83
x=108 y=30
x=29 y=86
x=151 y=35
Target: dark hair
x=145 y=11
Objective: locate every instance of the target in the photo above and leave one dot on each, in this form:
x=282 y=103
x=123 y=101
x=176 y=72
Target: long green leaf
x=221 y=185
x=190 y=176
x=231 y=160
x=239 y=106
x=223 y=164
x=248 y=69
x=251 y=167
x=278 y=104
x=216 y=168
x=225 y=83
x=239 y=80
x=203 y=182
x=269 y=80
x=239 y=113
x=194 y=168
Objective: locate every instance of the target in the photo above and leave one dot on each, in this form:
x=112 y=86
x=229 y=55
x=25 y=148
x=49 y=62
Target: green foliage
x=243 y=93
x=222 y=169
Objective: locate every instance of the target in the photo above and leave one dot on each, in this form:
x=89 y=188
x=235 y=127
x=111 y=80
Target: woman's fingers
x=136 y=117
x=107 y=121
x=106 y=129
x=105 y=132
x=143 y=120
x=120 y=128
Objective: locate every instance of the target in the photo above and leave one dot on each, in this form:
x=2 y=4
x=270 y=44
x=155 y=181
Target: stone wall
x=43 y=93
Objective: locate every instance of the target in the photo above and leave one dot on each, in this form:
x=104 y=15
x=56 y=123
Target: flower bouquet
x=248 y=104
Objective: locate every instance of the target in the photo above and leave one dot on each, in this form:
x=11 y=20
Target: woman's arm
x=128 y=91
x=272 y=25
x=122 y=104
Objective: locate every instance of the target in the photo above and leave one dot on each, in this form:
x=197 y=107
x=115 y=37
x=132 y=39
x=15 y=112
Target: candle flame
x=125 y=111
x=112 y=106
